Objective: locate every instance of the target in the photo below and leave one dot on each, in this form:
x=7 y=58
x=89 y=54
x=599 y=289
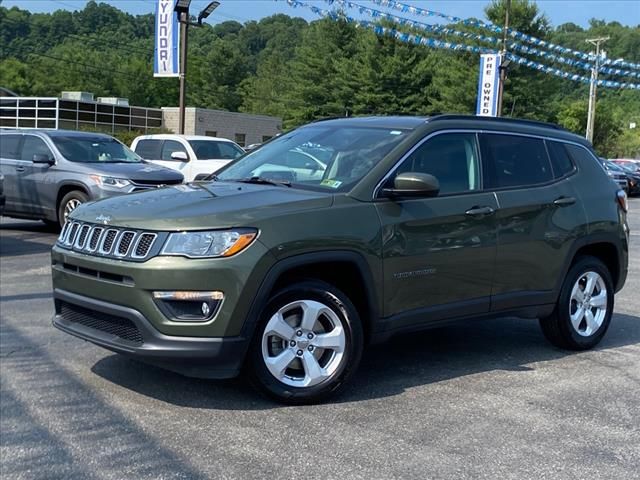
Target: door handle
x=478 y=211
x=20 y=169
x=564 y=201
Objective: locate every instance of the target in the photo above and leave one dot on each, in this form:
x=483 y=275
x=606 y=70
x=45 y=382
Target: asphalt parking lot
x=481 y=400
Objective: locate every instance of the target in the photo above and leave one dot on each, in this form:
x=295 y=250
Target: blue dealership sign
x=488 y=84
x=165 y=62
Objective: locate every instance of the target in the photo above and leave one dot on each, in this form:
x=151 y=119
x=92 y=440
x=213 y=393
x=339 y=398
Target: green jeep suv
x=343 y=233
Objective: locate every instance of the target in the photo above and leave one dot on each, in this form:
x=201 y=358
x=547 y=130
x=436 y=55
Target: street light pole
x=503 y=54
x=593 y=87
x=182 y=9
x=184 y=35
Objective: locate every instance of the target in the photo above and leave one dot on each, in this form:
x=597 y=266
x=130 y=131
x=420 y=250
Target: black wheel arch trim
x=610 y=238
x=283 y=266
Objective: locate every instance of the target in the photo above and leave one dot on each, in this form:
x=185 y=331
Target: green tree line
x=302 y=71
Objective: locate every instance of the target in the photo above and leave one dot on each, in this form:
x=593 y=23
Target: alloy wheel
x=70 y=206
x=303 y=343
x=588 y=303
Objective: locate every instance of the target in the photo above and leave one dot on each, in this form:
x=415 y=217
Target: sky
x=627 y=12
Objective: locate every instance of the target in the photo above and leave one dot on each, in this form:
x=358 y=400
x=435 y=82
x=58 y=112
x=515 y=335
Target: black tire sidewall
x=75 y=194
x=581 y=267
x=348 y=315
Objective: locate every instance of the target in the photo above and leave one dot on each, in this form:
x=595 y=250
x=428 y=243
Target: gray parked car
x=48 y=173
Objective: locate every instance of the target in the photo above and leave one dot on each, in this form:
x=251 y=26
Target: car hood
x=198 y=206
x=144 y=172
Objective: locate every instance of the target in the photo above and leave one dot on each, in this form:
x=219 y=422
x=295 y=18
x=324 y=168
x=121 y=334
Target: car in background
x=196 y=157
x=633 y=178
x=49 y=173
x=616 y=174
x=629 y=163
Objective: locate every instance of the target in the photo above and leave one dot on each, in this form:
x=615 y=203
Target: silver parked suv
x=48 y=173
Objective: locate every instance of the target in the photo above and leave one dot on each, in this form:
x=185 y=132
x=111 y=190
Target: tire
x=297 y=346
x=559 y=329
x=75 y=197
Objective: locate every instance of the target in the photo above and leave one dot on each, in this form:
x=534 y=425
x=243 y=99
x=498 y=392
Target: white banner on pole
x=165 y=62
x=488 y=84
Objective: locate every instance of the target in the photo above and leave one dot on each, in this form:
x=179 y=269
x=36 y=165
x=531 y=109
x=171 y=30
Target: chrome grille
x=143 y=245
x=96 y=233
x=124 y=243
x=109 y=242
x=82 y=237
x=73 y=230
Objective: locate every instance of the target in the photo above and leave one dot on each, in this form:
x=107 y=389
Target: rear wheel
x=584 y=309
x=307 y=345
x=69 y=203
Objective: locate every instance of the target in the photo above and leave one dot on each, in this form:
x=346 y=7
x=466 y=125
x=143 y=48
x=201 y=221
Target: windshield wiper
x=263 y=181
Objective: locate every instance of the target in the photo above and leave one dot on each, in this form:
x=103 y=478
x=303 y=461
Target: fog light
x=189 y=306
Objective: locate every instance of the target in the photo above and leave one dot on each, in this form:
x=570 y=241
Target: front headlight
x=217 y=243
x=110 y=182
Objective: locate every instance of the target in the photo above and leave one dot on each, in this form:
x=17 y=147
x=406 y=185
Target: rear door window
x=560 y=160
x=149 y=149
x=10 y=146
x=34 y=146
x=514 y=161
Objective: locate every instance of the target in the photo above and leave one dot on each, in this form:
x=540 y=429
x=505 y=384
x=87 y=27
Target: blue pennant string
x=435 y=43
x=392 y=4
x=376 y=14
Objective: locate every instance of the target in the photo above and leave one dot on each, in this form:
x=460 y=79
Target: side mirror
x=43 y=158
x=413 y=184
x=180 y=156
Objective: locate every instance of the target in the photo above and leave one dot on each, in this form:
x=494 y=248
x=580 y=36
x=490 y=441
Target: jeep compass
x=343 y=233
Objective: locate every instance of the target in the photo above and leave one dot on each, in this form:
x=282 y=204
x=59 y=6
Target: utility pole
x=591 y=114
x=184 y=35
x=503 y=56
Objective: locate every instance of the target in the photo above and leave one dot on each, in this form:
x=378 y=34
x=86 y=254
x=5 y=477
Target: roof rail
x=521 y=121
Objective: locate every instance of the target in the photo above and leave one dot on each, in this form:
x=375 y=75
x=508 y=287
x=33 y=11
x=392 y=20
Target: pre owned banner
x=488 y=84
x=165 y=62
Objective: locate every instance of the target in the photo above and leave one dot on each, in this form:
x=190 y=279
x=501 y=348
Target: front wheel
x=307 y=345
x=584 y=309
x=69 y=203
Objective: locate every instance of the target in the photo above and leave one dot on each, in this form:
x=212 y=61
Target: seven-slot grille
x=108 y=241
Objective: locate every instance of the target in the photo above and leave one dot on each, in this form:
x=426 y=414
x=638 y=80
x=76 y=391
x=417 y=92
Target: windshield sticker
x=330 y=183
x=395 y=132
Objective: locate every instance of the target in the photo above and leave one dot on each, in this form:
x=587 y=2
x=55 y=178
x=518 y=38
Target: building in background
x=80 y=111
x=243 y=128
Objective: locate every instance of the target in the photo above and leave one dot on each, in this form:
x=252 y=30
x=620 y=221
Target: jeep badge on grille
x=105 y=219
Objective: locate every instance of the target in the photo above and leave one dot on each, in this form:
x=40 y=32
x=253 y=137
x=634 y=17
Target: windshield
x=214 y=149
x=94 y=150
x=318 y=157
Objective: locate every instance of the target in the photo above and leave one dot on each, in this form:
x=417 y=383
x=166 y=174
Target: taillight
x=621 y=196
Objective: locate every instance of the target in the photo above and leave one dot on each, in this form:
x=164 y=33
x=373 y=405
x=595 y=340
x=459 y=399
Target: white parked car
x=194 y=156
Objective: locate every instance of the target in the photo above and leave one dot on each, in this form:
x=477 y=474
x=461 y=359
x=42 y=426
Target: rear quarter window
x=560 y=160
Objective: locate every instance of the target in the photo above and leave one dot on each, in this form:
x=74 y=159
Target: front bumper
x=131 y=334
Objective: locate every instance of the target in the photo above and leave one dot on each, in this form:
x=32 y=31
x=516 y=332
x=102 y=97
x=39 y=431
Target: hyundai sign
x=488 y=84
x=165 y=62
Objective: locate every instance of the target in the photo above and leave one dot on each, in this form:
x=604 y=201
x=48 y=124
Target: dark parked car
x=633 y=179
x=616 y=174
x=412 y=222
x=48 y=173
